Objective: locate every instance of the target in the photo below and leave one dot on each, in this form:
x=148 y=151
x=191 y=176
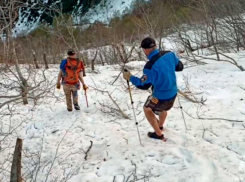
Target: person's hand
x=126 y=75
x=58 y=85
x=85 y=87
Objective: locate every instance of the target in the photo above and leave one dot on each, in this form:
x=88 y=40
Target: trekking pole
x=182 y=111
x=86 y=97
x=132 y=103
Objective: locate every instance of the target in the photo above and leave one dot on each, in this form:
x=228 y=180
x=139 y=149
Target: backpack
x=71 y=68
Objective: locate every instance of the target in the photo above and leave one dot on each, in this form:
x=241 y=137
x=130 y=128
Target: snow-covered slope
x=29 y=18
x=26 y=23
x=209 y=151
x=107 y=9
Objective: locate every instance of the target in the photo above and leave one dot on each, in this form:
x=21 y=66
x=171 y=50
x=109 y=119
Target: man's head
x=71 y=53
x=148 y=45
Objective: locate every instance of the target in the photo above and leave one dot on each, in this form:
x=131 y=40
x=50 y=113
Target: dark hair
x=71 y=52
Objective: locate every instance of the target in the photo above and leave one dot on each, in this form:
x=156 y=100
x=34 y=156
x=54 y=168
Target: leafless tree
x=93 y=60
x=149 y=23
x=220 y=28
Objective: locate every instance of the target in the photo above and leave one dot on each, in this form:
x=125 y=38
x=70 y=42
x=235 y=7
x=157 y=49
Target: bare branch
x=202 y=118
x=57 y=149
x=202 y=101
x=86 y=153
x=115 y=103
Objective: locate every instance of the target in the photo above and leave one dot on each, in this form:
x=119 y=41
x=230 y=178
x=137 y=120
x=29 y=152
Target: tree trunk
x=208 y=38
x=35 y=60
x=92 y=62
x=212 y=31
x=24 y=95
x=16 y=165
x=45 y=60
x=102 y=61
x=215 y=47
x=23 y=81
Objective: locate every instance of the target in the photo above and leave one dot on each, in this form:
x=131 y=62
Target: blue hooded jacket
x=159 y=72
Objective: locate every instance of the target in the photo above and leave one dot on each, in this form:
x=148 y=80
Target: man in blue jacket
x=158 y=73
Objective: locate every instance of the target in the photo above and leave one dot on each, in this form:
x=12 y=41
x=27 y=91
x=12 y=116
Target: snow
x=107 y=9
x=24 y=25
x=103 y=12
x=61 y=138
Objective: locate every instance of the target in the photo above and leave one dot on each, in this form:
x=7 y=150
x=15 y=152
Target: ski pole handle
x=129 y=89
x=125 y=70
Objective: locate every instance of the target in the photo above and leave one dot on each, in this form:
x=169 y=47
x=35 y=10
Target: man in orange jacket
x=71 y=74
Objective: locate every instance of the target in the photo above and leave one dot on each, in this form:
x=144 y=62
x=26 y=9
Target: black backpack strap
x=157 y=56
x=150 y=63
x=78 y=61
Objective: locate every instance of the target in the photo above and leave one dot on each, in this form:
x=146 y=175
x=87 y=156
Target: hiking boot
x=155 y=136
x=68 y=109
x=76 y=106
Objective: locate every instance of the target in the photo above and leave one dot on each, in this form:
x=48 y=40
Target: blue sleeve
x=63 y=64
x=147 y=79
x=139 y=84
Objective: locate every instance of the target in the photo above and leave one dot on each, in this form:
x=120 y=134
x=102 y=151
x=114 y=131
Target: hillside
x=210 y=150
x=204 y=130
x=85 y=11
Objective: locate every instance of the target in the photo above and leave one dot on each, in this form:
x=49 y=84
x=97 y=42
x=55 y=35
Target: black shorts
x=158 y=106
